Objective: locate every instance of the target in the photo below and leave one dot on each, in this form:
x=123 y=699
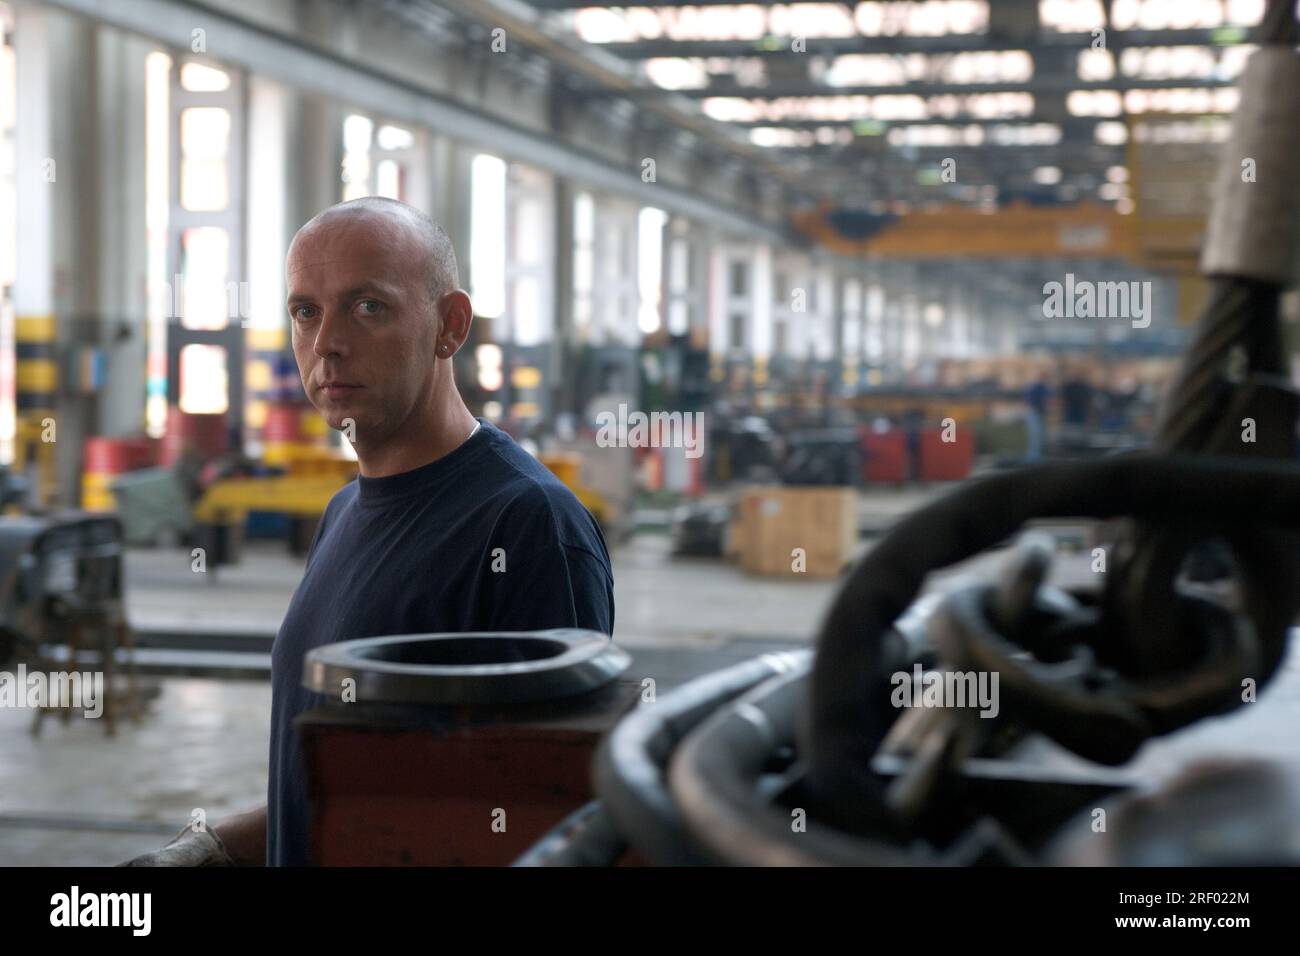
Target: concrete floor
x=711 y=600
x=76 y=797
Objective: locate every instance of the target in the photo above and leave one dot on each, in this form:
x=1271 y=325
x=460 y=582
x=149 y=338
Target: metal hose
x=630 y=764
x=585 y=837
x=845 y=713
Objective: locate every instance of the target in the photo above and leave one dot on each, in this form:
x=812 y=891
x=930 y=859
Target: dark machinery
x=822 y=456
x=699 y=528
x=61 y=597
x=814 y=758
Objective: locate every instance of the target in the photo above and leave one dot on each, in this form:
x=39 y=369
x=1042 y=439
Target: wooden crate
x=772 y=521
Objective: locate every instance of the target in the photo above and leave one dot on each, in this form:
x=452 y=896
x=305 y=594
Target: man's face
x=364 y=325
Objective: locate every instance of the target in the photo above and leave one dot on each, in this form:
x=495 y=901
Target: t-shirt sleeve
x=563 y=586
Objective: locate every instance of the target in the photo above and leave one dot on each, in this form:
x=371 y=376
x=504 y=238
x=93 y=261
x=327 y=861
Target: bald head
x=406 y=229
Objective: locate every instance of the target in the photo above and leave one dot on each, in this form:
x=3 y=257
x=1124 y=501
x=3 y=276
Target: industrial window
x=357 y=131
x=649 y=254
x=204 y=298
x=8 y=244
x=204 y=380
x=157 y=202
x=584 y=266
x=487 y=235
x=376 y=161
x=739 y=331
x=739 y=278
x=205 y=153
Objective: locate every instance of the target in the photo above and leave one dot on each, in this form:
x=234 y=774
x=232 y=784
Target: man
x=450 y=526
x=1037 y=395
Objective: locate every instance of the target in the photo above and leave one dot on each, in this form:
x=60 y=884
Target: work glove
x=190 y=847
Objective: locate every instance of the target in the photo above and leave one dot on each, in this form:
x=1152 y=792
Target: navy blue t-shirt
x=412 y=554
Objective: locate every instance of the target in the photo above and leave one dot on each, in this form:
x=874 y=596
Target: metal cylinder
x=1255 y=213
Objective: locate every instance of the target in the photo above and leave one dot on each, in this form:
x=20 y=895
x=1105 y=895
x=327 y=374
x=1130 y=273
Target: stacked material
x=789 y=531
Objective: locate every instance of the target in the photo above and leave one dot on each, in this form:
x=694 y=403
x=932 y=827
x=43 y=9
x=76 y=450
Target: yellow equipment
x=315 y=476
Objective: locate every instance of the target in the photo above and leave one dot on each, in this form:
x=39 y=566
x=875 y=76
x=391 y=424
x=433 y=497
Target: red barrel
x=946 y=461
x=144 y=451
x=105 y=459
x=203 y=436
x=283 y=423
x=108 y=456
x=884 y=455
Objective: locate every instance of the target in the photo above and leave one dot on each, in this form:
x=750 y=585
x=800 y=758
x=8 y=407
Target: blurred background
x=828 y=230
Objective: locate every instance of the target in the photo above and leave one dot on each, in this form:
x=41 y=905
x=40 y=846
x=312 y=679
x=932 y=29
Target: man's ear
x=457 y=315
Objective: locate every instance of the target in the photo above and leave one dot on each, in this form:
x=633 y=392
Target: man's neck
x=418 y=446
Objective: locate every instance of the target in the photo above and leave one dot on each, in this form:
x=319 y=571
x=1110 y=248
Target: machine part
x=1251 y=230
x=846 y=718
x=1089 y=708
x=458 y=669
x=630 y=765
x=822 y=456
x=584 y=838
x=1205 y=416
x=1215 y=813
x=743 y=801
x=1235 y=369
x=60 y=594
x=700 y=528
x=458 y=749
x=716 y=772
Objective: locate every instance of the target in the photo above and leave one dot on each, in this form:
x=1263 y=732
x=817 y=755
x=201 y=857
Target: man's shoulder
x=544 y=498
x=525 y=481
x=342 y=498
x=535 y=501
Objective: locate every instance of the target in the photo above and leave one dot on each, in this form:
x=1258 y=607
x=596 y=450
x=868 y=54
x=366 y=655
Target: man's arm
x=245 y=836
x=236 y=841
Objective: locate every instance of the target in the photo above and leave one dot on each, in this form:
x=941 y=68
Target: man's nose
x=331 y=334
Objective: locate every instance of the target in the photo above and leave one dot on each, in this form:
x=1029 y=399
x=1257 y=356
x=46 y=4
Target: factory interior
x=891 y=347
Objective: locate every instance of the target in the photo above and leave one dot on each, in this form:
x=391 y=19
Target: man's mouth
x=334 y=388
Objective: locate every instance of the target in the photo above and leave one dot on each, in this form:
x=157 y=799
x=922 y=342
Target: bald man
x=410 y=546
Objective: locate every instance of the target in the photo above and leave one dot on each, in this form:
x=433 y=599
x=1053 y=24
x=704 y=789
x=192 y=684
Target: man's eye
x=370 y=306
x=304 y=312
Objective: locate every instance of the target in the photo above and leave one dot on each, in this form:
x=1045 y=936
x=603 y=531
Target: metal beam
x=1083 y=123
x=948 y=43
x=608 y=73
x=579 y=4
x=290 y=61
x=864 y=147
x=1039 y=85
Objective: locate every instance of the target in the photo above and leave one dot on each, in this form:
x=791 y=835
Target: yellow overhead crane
x=1018 y=230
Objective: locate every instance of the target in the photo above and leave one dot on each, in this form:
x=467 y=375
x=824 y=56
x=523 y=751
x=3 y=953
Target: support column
x=562 y=367
x=56 y=179
x=122 y=249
